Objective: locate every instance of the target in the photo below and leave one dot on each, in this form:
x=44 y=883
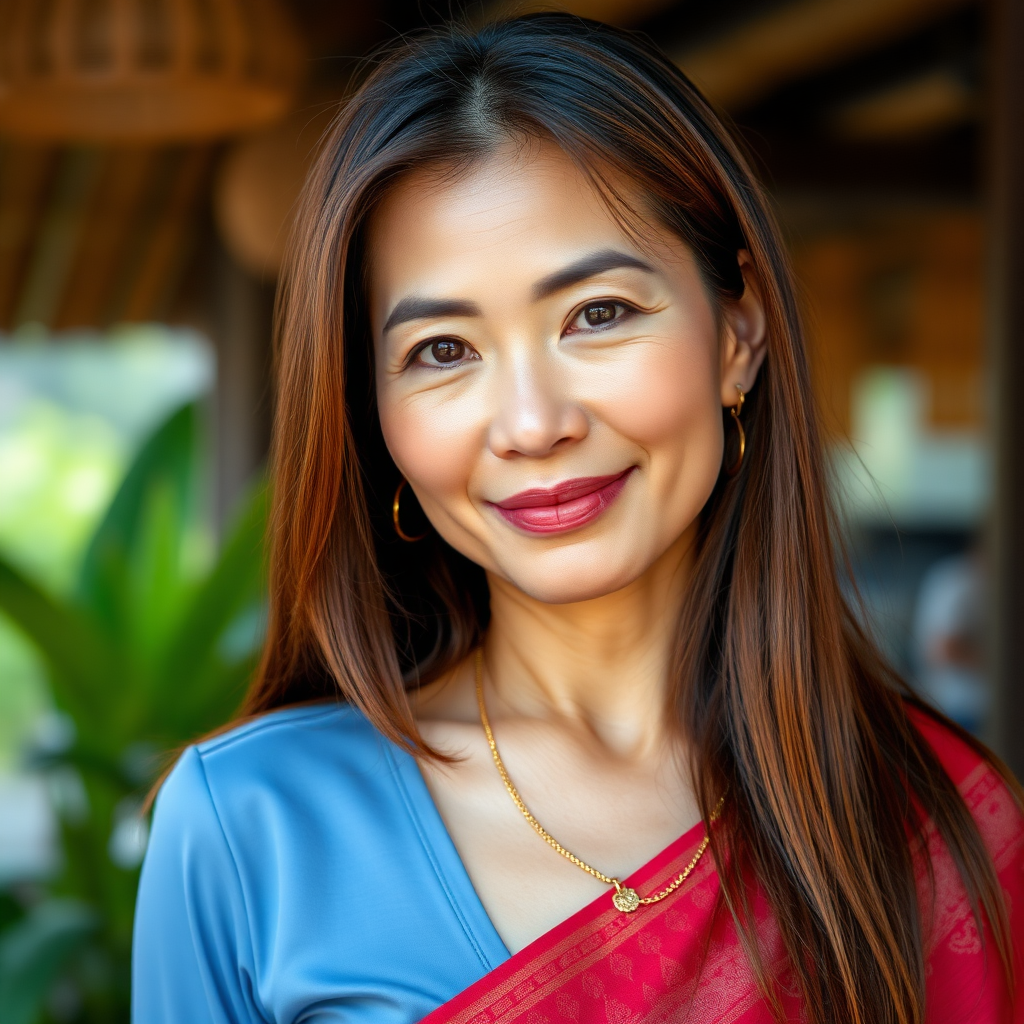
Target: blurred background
x=151 y=152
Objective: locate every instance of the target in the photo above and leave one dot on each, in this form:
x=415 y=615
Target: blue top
x=298 y=870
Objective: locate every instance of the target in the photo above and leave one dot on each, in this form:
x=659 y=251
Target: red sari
x=678 y=960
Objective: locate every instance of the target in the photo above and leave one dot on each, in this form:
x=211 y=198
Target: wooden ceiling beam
x=26 y=174
x=931 y=102
x=743 y=65
x=157 y=276
x=59 y=235
x=614 y=12
x=114 y=217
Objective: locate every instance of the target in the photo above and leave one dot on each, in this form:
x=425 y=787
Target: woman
x=562 y=715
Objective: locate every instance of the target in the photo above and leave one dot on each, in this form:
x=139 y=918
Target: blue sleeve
x=192 y=957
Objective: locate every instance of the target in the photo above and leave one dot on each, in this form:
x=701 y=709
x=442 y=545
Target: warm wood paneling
x=907 y=290
x=25 y=177
x=61 y=230
x=794 y=39
x=117 y=208
x=91 y=236
x=164 y=250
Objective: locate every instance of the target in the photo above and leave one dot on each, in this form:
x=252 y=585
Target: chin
x=570 y=580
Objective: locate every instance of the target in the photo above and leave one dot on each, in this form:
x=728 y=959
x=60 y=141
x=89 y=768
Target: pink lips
x=566 y=506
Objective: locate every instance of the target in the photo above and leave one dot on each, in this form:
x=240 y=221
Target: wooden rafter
x=164 y=250
x=115 y=215
x=25 y=176
x=92 y=236
x=614 y=12
x=742 y=65
x=63 y=225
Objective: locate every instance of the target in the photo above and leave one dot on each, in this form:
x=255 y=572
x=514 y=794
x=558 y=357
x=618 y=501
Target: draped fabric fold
x=680 y=960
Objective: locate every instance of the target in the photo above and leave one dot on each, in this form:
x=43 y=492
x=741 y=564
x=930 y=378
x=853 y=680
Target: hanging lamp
x=144 y=70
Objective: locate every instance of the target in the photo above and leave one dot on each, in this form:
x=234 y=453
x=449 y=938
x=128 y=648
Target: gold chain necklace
x=625 y=899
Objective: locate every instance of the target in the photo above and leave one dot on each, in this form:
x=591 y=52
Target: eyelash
x=414 y=356
x=626 y=311
x=625 y=307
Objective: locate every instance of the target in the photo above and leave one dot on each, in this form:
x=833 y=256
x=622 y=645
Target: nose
x=534 y=411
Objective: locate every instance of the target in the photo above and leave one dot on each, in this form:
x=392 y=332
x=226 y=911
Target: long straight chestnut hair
x=782 y=697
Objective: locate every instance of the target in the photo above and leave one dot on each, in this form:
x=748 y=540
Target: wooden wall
x=904 y=290
x=94 y=236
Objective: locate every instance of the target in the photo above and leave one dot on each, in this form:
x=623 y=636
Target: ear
x=743 y=335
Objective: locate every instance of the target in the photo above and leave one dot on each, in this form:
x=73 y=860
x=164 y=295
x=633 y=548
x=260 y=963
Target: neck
x=601 y=664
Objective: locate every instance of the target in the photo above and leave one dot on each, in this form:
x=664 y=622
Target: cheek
x=666 y=400
x=433 y=443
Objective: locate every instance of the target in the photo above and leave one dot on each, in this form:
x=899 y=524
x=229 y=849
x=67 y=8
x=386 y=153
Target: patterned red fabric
x=677 y=960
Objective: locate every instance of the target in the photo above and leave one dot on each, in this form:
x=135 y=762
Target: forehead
x=528 y=206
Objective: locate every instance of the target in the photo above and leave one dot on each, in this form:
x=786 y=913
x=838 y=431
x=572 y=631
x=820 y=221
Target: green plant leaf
x=155 y=580
x=193 y=661
x=82 y=660
x=33 y=953
x=154 y=648
x=168 y=461
x=213 y=698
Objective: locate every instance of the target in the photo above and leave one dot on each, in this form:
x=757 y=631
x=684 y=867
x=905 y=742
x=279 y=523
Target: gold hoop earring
x=394 y=515
x=735 y=411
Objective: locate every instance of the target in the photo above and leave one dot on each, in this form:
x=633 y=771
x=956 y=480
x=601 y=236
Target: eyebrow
x=416 y=308
x=589 y=266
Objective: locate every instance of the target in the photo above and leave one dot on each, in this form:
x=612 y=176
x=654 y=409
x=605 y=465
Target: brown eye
x=447 y=350
x=599 y=314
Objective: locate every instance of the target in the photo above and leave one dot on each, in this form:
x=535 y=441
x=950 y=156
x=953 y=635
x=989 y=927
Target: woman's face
x=552 y=393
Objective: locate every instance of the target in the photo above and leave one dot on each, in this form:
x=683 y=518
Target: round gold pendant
x=626 y=900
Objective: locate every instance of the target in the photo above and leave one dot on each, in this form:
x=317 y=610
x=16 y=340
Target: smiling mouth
x=566 y=506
